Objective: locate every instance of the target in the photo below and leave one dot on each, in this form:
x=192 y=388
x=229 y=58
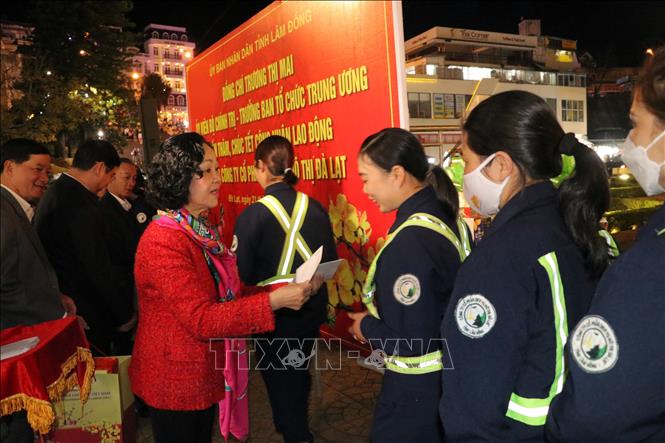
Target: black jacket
x=122 y=233
x=71 y=227
x=260 y=239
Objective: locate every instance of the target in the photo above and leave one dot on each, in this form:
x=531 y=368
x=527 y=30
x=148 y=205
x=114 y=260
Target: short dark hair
x=125 y=160
x=90 y=152
x=277 y=153
x=19 y=150
x=172 y=170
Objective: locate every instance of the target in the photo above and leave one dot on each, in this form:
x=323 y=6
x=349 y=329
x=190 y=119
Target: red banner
x=324 y=75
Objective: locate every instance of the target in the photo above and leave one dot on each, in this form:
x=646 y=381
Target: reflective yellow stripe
x=422 y=220
x=291 y=225
x=613 y=249
x=530 y=411
x=533 y=411
x=277 y=279
x=423 y=364
x=464 y=236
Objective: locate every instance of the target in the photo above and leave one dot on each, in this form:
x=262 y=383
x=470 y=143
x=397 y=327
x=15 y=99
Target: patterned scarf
x=221 y=262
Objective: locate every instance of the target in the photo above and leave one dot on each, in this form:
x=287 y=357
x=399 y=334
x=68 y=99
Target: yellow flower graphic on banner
x=351 y=229
x=347 y=224
x=346 y=285
x=374 y=250
x=341 y=286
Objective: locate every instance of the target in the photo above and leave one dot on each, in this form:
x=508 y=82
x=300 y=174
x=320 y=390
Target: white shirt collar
x=126 y=205
x=27 y=207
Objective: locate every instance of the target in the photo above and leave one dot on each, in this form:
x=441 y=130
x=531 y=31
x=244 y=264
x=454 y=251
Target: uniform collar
x=126 y=205
x=276 y=187
x=27 y=207
x=413 y=204
x=538 y=194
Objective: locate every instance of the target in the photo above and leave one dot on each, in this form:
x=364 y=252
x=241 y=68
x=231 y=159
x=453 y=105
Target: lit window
x=170 y=100
x=449 y=105
x=181 y=100
x=572 y=110
x=155 y=51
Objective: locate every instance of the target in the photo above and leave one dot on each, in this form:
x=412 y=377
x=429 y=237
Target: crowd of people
x=539 y=331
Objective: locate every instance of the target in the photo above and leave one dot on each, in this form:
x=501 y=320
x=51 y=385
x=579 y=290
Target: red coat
x=173 y=364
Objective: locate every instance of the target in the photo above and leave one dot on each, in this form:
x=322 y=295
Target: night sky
x=614 y=33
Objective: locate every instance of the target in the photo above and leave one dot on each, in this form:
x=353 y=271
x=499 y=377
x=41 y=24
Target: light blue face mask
x=645 y=170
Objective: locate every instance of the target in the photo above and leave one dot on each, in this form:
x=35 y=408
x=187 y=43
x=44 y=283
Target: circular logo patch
x=594 y=345
x=141 y=217
x=234 y=243
x=475 y=315
x=407 y=289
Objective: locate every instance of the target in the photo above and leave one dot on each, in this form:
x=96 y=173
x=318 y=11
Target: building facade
x=14 y=35
x=450 y=70
x=166 y=51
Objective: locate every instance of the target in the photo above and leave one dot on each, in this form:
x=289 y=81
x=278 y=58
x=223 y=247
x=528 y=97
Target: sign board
x=325 y=75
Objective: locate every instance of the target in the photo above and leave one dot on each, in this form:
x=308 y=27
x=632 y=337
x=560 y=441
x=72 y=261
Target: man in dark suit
x=122 y=235
x=29 y=291
x=71 y=227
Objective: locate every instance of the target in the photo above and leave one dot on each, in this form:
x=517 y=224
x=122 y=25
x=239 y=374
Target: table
x=36 y=379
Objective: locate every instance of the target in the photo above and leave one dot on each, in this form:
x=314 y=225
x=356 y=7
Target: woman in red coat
x=189 y=293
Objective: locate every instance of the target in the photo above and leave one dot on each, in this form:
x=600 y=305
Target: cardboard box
x=107 y=417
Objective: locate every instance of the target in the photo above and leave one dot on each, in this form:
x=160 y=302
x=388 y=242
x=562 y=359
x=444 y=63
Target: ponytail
x=523 y=125
x=290 y=178
x=583 y=199
x=277 y=153
x=445 y=191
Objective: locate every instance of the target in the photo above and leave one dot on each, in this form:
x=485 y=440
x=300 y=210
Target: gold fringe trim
x=40 y=412
x=68 y=376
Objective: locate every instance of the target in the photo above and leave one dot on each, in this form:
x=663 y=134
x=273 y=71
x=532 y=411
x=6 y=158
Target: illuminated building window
x=170 y=100
x=420 y=105
x=156 y=68
x=177 y=85
x=180 y=100
x=572 y=110
x=155 y=51
x=449 y=105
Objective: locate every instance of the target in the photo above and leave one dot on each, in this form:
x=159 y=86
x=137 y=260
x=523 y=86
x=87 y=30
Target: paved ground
x=341 y=403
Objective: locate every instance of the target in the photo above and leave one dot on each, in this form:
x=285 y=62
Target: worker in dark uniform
x=615 y=389
x=529 y=279
x=272 y=238
x=409 y=283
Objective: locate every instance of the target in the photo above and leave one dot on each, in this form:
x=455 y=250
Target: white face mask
x=482 y=194
x=645 y=170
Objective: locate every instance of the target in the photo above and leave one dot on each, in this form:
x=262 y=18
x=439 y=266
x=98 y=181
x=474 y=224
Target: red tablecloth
x=35 y=379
